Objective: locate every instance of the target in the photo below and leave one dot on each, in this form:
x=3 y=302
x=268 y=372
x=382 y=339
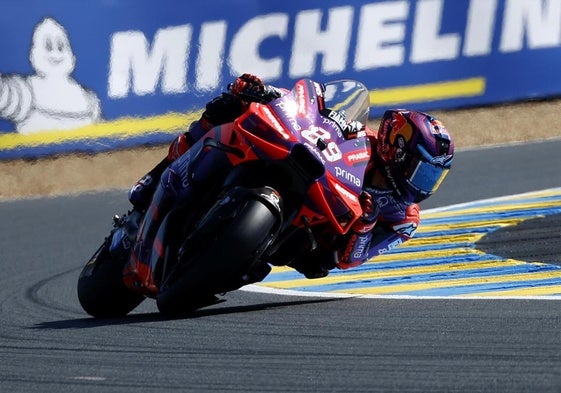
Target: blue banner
x=100 y=75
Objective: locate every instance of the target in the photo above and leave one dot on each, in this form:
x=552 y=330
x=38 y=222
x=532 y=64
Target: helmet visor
x=426 y=173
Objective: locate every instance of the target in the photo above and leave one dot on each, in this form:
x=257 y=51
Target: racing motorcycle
x=260 y=192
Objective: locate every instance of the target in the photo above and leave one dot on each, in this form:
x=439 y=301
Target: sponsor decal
x=332 y=153
x=289 y=109
x=272 y=198
x=357 y=157
x=361 y=134
x=319 y=90
x=401 y=130
x=274 y=122
x=331 y=124
x=338 y=118
x=391 y=179
x=361 y=247
x=407 y=229
x=441 y=160
x=359 y=36
x=396 y=243
x=348 y=176
x=301 y=99
x=346 y=193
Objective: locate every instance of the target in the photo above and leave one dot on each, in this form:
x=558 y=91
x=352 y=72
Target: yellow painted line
x=171 y=122
x=481 y=225
x=425 y=254
x=395 y=273
x=494 y=209
x=429 y=92
x=414 y=256
x=502 y=222
x=124 y=127
x=440 y=240
x=413 y=287
x=529 y=291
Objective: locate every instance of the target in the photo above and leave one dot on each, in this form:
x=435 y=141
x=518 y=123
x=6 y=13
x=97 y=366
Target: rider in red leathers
x=411 y=154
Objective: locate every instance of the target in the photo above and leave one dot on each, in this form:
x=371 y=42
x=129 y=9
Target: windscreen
x=348 y=97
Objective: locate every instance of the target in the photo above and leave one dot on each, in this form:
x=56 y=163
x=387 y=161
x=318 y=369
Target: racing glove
x=369 y=214
x=246 y=84
x=251 y=88
x=359 y=236
x=359 y=247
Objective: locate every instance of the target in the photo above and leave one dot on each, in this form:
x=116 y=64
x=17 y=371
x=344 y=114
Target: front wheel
x=101 y=290
x=223 y=263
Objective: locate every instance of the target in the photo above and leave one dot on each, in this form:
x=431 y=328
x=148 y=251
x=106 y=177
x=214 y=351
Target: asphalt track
x=262 y=342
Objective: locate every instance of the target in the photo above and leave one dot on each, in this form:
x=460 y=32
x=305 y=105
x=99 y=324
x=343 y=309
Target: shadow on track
x=86 y=323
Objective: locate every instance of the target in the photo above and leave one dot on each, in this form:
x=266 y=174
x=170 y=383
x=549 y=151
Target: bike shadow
x=90 y=322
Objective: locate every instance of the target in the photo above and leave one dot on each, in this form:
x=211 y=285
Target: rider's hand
x=247 y=85
x=251 y=88
x=367 y=220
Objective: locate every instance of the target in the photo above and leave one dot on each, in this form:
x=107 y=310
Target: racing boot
x=141 y=193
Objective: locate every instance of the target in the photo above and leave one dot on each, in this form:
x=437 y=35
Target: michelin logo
x=326 y=41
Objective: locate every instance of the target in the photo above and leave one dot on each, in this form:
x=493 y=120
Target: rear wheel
x=101 y=290
x=223 y=254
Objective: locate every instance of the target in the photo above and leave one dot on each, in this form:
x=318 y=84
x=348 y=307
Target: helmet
x=417 y=152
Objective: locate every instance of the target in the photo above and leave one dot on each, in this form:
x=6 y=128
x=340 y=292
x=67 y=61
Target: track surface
x=270 y=343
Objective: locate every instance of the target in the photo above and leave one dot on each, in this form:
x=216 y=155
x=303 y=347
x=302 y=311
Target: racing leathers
x=388 y=220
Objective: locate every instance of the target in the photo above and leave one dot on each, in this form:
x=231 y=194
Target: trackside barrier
x=101 y=75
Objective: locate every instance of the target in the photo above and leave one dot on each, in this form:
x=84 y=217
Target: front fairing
x=315 y=116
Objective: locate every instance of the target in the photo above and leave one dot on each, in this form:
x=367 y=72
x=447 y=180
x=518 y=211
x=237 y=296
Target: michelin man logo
x=49 y=99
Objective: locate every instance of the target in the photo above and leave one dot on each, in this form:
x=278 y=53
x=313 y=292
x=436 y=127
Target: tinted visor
x=426 y=173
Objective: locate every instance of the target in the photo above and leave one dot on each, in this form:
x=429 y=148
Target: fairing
x=315 y=116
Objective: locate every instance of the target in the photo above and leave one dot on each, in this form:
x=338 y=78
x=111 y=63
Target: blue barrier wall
x=103 y=74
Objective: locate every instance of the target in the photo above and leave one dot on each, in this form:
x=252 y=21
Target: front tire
x=101 y=290
x=220 y=264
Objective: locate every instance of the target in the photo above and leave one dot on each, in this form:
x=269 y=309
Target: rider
x=411 y=154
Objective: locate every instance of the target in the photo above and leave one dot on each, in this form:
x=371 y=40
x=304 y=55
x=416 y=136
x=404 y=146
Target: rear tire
x=101 y=290
x=219 y=265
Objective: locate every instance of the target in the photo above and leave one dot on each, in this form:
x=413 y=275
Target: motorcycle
x=261 y=191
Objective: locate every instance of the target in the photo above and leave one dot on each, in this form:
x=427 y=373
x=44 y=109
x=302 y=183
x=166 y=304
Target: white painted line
x=275 y=291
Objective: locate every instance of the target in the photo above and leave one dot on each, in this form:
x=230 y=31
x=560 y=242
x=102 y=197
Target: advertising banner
x=105 y=74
